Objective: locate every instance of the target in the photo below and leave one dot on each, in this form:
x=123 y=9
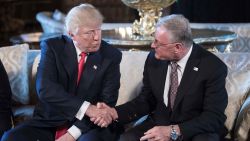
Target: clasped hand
x=101 y=114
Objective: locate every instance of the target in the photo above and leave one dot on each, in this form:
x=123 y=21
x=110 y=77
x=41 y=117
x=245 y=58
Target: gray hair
x=179 y=28
x=82 y=15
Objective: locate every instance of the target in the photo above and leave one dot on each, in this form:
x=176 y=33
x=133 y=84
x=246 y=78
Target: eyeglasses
x=90 y=33
x=159 y=45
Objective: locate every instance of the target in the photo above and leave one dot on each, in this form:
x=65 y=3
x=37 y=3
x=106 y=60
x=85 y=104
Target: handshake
x=101 y=114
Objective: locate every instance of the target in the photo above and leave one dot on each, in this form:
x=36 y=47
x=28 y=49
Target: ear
x=71 y=35
x=179 y=46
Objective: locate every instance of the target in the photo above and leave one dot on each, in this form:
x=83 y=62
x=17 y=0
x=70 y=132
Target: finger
x=97 y=120
x=150 y=131
x=113 y=113
x=99 y=105
x=156 y=138
x=104 y=125
x=102 y=122
x=146 y=137
x=93 y=119
x=109 y=117
x=104 y=105
x=106 y=115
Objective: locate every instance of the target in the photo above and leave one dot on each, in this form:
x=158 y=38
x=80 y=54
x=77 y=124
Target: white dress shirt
x=73 y=130
x=180 y=70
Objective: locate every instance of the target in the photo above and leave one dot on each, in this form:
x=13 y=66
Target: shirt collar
x=78 y=51
x=182 y=63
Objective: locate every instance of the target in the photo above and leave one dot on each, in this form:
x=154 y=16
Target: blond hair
x=82 y=15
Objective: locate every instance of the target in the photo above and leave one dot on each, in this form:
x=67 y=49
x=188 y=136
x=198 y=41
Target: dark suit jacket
x=201 y=98
x=59 y=96
x=5 y=101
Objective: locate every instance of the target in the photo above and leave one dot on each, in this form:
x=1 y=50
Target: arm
x=5 y=101
x=109 y=86
x=5 y=90
x=142 y=104
x=50 y=89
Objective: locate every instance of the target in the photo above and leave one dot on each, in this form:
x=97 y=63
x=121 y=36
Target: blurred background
x=19 y=16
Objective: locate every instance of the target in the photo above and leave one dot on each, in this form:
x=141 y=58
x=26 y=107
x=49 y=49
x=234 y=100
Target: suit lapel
x=160 y=71
x=69 y=61
x=189 y=75
x=92 y=65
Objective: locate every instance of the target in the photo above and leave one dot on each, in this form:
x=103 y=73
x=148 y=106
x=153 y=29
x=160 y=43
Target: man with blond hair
x=75 y=72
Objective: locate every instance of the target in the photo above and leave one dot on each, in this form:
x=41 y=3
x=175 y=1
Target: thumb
x=101 y=105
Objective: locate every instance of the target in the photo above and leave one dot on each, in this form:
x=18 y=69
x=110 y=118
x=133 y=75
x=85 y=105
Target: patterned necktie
x=63 y=130
x=173 y=83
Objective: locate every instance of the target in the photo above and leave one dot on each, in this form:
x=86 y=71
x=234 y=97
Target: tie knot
x=83 y=54
x=174 y=65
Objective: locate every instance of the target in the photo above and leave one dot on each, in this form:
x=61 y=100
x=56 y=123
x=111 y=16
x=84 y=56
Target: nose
x=97 y=36
x=153 y=45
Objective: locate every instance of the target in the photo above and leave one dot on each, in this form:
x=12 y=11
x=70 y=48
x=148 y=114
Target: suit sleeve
x=110 y=87
x=49 y=89
x=142 y=104
x=215 y=101
x=5 y=91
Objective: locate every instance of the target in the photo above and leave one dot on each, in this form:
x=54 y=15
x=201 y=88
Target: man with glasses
x=75 y=72
x=183 y=90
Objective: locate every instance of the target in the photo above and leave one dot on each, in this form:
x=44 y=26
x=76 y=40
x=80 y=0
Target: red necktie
x=81 y=65
x=173 y=83
x=63 y=130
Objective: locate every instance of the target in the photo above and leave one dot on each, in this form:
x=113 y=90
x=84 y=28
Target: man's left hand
x=157 y=133
x=66 y=137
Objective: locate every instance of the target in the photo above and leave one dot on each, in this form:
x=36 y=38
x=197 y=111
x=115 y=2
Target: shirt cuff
x=80 y=114
x=74 y=132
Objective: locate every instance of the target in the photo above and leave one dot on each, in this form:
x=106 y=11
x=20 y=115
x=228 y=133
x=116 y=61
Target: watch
x=173 y=135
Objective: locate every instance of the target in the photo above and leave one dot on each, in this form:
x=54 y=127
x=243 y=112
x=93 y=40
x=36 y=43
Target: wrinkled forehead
x=161 y=33
x=88 y=28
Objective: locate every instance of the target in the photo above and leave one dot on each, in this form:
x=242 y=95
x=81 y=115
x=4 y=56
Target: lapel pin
x=95 y=67
x=196 y=69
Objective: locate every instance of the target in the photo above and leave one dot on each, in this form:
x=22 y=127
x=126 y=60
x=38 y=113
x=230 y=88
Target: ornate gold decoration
x=149 y=12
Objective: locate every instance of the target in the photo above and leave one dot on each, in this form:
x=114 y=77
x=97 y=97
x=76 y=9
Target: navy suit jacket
x=59 y=96
x=201 y=98
x=5 y=101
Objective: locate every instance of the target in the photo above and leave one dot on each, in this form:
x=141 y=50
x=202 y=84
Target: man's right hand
x=102 y=116
x=110 y=112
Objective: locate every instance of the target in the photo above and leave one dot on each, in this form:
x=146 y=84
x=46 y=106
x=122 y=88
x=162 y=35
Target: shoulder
x=55 y=43
x=110 y=52
x=57 y=39
x=210 y=59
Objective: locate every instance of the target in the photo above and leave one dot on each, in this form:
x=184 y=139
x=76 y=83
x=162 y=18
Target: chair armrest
x=242 y=125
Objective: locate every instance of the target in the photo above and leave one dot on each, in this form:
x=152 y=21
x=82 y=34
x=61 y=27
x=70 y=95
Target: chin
x=157 y=57
x=94 y=49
